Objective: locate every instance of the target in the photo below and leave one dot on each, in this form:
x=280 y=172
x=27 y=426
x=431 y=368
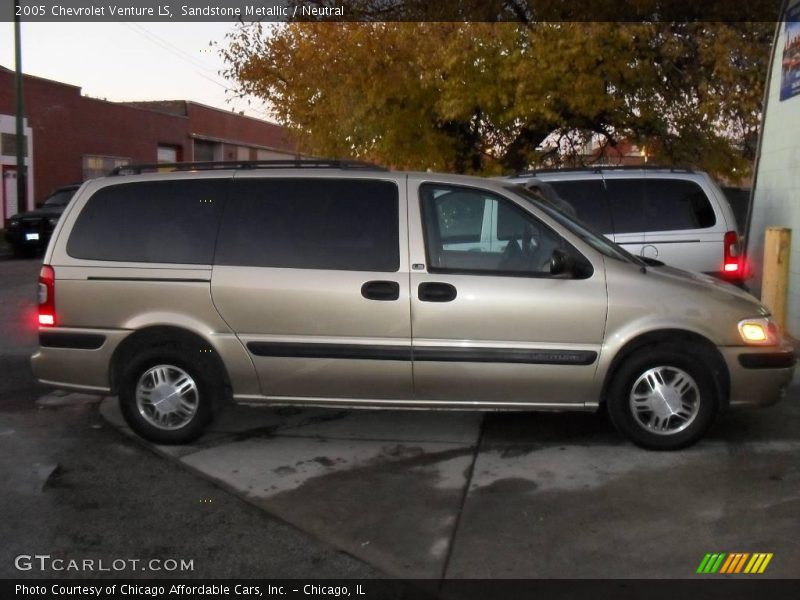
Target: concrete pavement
x=454 y=495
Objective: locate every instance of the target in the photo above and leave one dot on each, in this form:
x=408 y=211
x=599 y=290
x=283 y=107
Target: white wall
x=776 y=196
x=8 y=124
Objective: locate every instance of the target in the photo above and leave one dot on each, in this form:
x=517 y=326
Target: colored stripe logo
x=734 y=563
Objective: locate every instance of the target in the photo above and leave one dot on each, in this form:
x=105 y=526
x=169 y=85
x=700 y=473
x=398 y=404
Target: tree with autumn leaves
x=502 y=97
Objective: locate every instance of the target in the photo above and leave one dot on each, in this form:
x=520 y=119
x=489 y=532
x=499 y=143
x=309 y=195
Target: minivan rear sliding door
x=312 y=275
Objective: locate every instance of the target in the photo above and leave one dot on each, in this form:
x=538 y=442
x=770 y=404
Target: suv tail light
x=47 y=296
x=732 y=260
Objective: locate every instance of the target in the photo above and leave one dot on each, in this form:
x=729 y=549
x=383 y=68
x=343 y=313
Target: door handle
x=381 y=290
x=437 y=292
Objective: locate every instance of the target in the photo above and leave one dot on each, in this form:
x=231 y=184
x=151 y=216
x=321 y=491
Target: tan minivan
x=338 y=284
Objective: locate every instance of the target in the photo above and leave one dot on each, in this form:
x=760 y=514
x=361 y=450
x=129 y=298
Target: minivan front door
x=492 y=324
x=312 y=275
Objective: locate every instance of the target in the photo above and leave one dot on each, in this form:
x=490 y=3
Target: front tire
x=167 y=394
x=663 y=397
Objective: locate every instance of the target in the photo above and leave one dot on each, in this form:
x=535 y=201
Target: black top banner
x=521 y=11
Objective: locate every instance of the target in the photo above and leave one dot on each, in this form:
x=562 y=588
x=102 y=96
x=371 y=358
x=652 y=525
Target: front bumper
x=759 y=376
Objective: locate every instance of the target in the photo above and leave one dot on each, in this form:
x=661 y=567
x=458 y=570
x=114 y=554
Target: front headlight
x=13 y=223
x=761 y=331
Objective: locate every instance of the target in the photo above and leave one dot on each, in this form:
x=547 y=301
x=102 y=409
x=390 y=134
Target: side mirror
x=561 y=263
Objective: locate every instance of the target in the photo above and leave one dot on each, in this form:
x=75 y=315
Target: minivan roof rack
x=306 y=163
x=601 y=168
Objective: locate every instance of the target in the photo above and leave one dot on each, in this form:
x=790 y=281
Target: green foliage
x=485 y=97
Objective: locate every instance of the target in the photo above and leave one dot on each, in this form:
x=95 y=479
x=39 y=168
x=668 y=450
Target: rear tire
x=167 y=394
x=663 y=397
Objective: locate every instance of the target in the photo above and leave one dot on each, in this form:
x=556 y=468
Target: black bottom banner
x=398 y=589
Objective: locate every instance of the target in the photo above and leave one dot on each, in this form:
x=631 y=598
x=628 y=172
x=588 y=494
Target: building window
x=8 y=144
x=99 y=166
x=242 y=153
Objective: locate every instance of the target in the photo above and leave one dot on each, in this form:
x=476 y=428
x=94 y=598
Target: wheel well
x=693 y=342
x=153 y=337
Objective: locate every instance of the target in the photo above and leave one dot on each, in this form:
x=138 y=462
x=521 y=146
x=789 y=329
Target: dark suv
x=29 y=232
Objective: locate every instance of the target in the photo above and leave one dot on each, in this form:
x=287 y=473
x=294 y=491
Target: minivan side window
x=677 y=204
x=335 y=224
x=626 y=198
x=151 y=222
x=506 y=240
x=589 y=200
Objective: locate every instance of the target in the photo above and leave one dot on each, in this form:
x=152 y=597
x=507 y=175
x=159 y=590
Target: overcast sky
x=129 y=61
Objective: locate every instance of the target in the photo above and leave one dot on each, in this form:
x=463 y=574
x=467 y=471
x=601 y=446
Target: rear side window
x=677 y=204
x=151 y=222
x=346 y=224
x=588 y=198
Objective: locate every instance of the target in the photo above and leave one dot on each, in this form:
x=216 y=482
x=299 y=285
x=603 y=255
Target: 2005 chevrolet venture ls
x=334 y=283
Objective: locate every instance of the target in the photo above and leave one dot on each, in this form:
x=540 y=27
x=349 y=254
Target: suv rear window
x=151 y=222
x=339 y=224
x=677 y=204
x=638 y=205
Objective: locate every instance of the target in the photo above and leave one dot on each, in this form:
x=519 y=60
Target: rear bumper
x=759 y=376
x=76 y=359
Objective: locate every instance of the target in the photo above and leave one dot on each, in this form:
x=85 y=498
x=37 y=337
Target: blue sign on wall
x=790 y=60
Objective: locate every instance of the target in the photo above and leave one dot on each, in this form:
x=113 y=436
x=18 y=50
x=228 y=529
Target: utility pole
x=22 y=174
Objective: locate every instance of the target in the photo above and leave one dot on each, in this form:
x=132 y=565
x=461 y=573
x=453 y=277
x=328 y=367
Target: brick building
x=72 y=138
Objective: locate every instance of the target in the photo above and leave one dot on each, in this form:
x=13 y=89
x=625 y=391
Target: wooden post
x=775 y=281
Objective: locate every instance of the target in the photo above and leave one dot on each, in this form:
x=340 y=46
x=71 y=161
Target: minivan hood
x=669 y=298
x=707 y=282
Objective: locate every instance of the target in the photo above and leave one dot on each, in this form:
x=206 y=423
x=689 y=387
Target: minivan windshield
x=596 y=240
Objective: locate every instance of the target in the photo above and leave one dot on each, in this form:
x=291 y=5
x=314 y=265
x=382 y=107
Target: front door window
x=471 y=230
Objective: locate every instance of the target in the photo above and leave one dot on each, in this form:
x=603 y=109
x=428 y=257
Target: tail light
x=47 y=296
x=732 y=259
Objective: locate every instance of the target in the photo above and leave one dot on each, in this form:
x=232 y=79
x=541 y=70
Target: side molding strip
x=423 y=353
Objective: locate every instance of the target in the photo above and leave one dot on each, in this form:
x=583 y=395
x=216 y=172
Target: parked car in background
x=29 y=232
x=677 y=216
x=298 y=283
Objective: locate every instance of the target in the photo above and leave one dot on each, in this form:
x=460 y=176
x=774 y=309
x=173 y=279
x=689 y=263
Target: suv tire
x=663 y=397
